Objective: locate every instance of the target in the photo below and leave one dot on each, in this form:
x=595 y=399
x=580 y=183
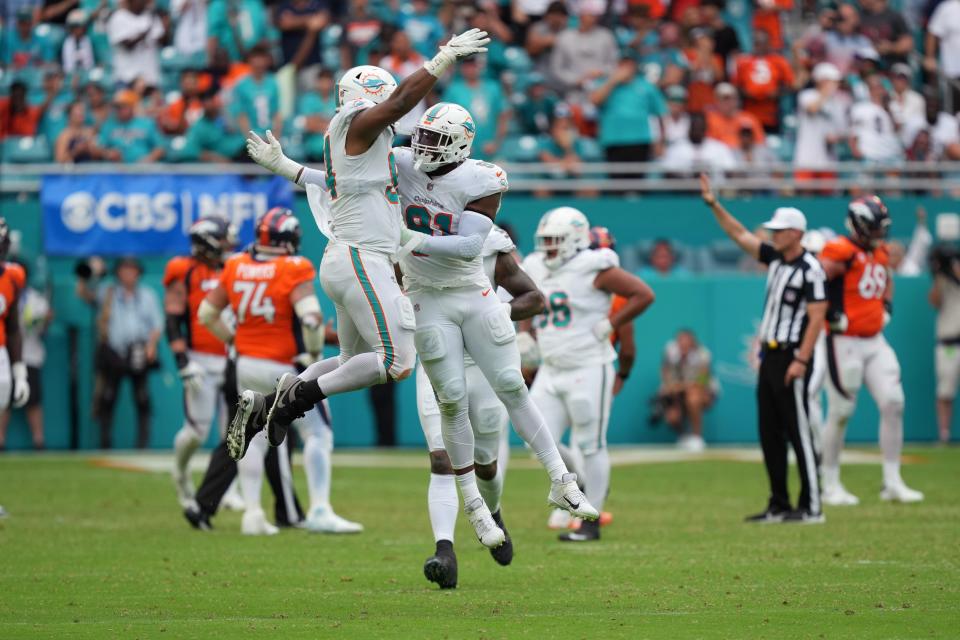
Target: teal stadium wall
x=724 y=310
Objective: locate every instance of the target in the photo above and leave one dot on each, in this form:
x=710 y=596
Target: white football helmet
x=562 y=232
x=444 y=135
x=366 y=82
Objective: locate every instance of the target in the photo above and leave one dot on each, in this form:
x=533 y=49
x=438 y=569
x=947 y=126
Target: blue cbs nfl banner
x=130 y=214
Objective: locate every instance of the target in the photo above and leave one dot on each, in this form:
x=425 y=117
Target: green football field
x=90 y=551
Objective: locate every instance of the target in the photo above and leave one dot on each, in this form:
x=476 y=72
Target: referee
x=793 y=317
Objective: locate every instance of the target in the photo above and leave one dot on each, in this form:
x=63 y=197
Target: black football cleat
x=441 y=567
x=588 y=532
x=804 y=516
x=504 y=553
x=772 y=515
x=292 y=398
x=198 y=519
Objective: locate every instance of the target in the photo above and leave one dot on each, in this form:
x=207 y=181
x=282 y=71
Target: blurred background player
x=360 y=216
x=14 y=386
x=200 y=356
x=451 y=202
x=574 y=385
x=860 y=290
x=488 y=417
x=35 y=317
x=270 y=290
x=945 y=297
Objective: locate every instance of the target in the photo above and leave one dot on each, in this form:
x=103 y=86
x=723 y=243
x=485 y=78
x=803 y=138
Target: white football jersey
x=434 y=205
x=361 y=199
x=574 y=307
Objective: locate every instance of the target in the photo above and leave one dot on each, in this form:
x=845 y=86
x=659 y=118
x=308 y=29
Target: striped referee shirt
x=790 y=287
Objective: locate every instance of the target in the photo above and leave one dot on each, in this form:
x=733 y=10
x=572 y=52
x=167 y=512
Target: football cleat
x=324 y=520
x=441 y=568
x=489 y=534
x=804 y=516
x=836 y=495
x=232 y=500
x=198 y=519
x=559 y=520
x=589 y=531
x=288 y=405
x=566 y=495
x=771 y=515
x=255 y=523
x=249 y=420
x=504 y=553
x=900 y=492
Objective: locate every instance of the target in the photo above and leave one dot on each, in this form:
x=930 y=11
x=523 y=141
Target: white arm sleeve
x=313 y=176
x=467 y=243
x=311 y=323
x=209 y=315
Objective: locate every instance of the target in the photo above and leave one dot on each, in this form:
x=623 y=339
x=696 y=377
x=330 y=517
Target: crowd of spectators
x=689 y=84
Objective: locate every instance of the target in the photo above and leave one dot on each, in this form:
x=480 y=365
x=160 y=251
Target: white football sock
x=503 y=455
x=491 y=490
x=250 y=471
x=596 y=468
x=468 y=487
x=573 y=458
x=318 y=369
x=529 y=423
x=316 y=464
x=359 y=372
x=891 y=442
x=442 y=505
x=184 y=444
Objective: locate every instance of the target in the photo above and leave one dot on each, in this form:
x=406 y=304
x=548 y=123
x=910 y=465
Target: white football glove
x=192 y=376
x=410 y=241
x=529 y=350
x=461 y=46
x=603 y=329
x=269 y=155
x=21 y=388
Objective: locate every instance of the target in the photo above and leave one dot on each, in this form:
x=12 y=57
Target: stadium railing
x=600 y=177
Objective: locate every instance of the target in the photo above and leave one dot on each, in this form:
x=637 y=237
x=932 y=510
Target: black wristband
x=805 y=363
x=888 y=306
x=623 y=375
x=181 y=358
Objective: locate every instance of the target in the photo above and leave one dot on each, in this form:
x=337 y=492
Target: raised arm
x=528 y=300
x=370 y=123
x=730 y=225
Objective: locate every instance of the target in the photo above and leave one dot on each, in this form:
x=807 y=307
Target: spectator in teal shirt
x=127 y=137
x=317 y=108
x=627 y=101
x=422 y=26
x=20 y=48
x=256 y=98
x=484 y=99
x=210 y=137
x=237 y=25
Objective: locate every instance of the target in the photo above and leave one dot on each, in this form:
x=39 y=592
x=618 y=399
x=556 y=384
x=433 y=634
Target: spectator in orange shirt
x=706 y=69
x=186 y=109
x=725 y=121
x=17 y=118
x=766 y=19
x=762 y=78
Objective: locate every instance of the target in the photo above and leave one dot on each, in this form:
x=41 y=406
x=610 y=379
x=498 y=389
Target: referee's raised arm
x=744 y=238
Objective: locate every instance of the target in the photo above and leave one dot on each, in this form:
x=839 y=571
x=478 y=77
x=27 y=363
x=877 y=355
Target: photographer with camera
x=945 y=298
x=129 y=324
x=687 y=389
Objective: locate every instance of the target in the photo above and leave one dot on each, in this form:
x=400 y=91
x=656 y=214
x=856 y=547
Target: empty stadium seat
x=26 y=149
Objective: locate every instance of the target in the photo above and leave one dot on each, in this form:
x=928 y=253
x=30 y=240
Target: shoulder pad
x=596 y=260
x=497 y=242
x=486 y=179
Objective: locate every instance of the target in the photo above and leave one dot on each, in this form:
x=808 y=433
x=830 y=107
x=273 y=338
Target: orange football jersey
x=864 y=284
x=12 y=281
x=616 y=304
x=259 y=292
x=199 y=279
